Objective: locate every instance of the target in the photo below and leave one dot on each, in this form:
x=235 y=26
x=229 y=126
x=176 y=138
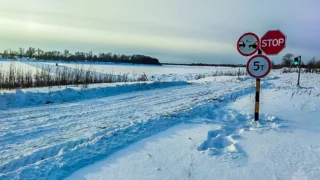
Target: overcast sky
x=180 y=31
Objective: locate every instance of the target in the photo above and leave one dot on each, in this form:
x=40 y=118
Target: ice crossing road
x=55 y=140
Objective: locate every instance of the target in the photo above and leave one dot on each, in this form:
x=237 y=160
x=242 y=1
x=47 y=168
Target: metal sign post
x=239 y=65
x=298 y=83
x=256 y=107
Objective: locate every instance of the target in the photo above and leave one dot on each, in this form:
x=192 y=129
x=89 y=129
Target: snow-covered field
x=155 y=73
x=191 y=129
x=5 y=66
x=148 y=69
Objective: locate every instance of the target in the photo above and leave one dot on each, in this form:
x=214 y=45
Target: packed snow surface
x=200 y=129
x=55 y=140
x=226 y=143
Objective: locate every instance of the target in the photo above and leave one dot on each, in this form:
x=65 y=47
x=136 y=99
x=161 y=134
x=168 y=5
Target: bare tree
x=5 y=54
x=287 y=60
x=40 y=53
x=318 y=64
x=31 y=52
x=66 y=54
x=21 y=52
x=12 y=53
x=312 y=63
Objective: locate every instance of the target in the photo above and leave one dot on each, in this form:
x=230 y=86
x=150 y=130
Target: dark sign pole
x=298 y=84
x=239 y=71
x=256 y=111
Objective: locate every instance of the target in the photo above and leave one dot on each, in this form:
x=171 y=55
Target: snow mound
x=223 y=142
x=30 y=98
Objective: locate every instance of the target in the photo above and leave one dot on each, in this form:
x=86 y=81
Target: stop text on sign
x=272 y=42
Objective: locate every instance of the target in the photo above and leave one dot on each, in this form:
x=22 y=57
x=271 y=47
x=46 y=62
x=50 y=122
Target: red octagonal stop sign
x=273 y=42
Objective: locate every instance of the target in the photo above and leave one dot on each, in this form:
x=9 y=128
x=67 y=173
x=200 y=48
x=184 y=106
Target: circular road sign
x=248 y=44
x=259 y=66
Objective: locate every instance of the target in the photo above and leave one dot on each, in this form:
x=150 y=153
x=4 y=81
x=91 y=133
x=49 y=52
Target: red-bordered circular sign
x=259 y=66
x=248 y=44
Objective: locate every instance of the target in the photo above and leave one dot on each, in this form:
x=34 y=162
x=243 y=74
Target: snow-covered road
x=55 y=140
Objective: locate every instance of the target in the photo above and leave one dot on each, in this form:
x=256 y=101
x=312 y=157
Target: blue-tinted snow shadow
x=140 y=148
x=302 y=87
x=76 y=155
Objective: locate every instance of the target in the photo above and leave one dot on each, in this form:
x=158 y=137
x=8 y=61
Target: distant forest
x=39 y=54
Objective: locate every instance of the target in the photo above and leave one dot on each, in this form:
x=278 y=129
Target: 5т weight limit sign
x=258 y=66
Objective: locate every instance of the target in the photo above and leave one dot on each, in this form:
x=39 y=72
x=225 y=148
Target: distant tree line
x=66 y=55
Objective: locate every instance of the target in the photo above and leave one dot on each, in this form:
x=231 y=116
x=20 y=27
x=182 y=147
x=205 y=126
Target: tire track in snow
x=84 y=112
x=65 y=112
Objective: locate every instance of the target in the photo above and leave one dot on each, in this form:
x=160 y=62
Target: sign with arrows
x=248 y=44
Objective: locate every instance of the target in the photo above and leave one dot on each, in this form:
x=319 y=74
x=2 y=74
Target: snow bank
x=28 y=98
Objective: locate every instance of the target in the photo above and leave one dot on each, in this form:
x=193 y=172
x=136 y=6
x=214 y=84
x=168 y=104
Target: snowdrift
x=22 y=98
